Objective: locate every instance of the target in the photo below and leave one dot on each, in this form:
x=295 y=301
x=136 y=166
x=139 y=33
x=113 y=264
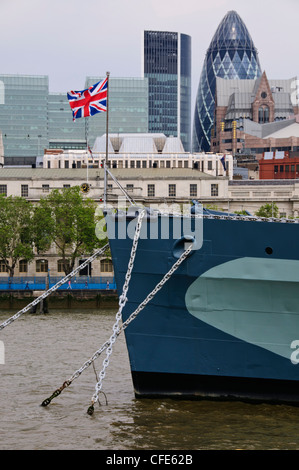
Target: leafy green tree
x=242 y=212
x=67 y=219
x=268 y=210
x=16 y=231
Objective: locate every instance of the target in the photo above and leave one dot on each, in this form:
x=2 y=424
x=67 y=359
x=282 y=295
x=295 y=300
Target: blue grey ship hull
x=226 y=323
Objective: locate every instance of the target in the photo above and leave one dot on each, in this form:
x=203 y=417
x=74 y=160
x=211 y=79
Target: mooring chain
x=53 y=288
x=125 y=324
x=122 y=302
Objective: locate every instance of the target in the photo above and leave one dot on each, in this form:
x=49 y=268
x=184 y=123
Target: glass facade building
x=128 y=108
x=24 y=116
x=167 y=65
x=32 y=119
x=231 y=55
x=63 y=132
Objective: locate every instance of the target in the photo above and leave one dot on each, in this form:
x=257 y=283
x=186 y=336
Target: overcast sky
x=71 y=39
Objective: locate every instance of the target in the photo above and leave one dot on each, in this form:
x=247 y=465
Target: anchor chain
x=122 y=302
x=125 y=324
x=150 y=296
x=54 y=288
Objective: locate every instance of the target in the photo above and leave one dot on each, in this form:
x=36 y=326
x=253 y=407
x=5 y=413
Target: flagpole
x=107 y=132
x=86 y=138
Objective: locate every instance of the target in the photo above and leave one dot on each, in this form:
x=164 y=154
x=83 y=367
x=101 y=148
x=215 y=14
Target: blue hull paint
x=172 y=352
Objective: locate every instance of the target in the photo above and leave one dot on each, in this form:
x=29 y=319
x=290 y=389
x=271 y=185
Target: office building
x=23 y=117
x=128 y=108
x=32 y=119
x=140 y=151
x=167 y=66
x=231 y=55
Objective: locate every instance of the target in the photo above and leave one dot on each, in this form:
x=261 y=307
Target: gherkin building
x=231 y=55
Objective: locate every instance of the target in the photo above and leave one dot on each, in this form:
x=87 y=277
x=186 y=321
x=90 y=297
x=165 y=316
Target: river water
x=42 y=351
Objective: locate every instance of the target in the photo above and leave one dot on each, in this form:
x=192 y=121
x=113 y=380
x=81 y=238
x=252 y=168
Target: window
x=144 y=164
x=132 y=164
x=130 y=187
x=3 y=189
x=106 y=266
x=210 y=165
x=171 y=190
x=66 y=164
x=60 y=266
x=281 y=168
x=263 y=114
x=275 y=168
x=66 y=186
x=3 y=268
x=193 y=190
x=41 y=266
x=45 y=188
x=214 y=189
x=186 y=163
x=287 y=168
x=23 y=266
x=24 y=190
x=151 y=190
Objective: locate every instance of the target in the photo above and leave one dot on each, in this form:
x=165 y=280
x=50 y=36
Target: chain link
x=122 y=302
x=53 y=288
x=133 y=315
x=117 y=331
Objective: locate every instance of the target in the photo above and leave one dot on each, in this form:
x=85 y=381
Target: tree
x=69 y=222
x=268 y=210
x=16 y=231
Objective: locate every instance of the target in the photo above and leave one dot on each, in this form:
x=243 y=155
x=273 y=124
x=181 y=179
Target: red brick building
x=255 y=116
x=279 y=165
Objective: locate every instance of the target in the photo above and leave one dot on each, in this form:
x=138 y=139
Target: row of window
x=151 y=190
x=42 y=266
x=286 y=168
x=172 y=192
x=138 y=163
x=25 y=189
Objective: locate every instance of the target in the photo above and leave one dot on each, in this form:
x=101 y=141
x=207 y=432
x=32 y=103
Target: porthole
x=269 y=250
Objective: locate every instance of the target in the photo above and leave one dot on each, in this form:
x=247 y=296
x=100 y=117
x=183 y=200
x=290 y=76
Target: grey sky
x=71 y=39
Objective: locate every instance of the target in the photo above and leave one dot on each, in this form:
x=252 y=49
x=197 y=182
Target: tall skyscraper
x=167 y=65
x=231 y=55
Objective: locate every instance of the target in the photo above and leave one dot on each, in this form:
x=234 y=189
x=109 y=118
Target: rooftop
x=138 y=143
x=93 y=173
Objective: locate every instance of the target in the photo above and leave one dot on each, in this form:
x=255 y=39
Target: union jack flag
x=88 y=102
